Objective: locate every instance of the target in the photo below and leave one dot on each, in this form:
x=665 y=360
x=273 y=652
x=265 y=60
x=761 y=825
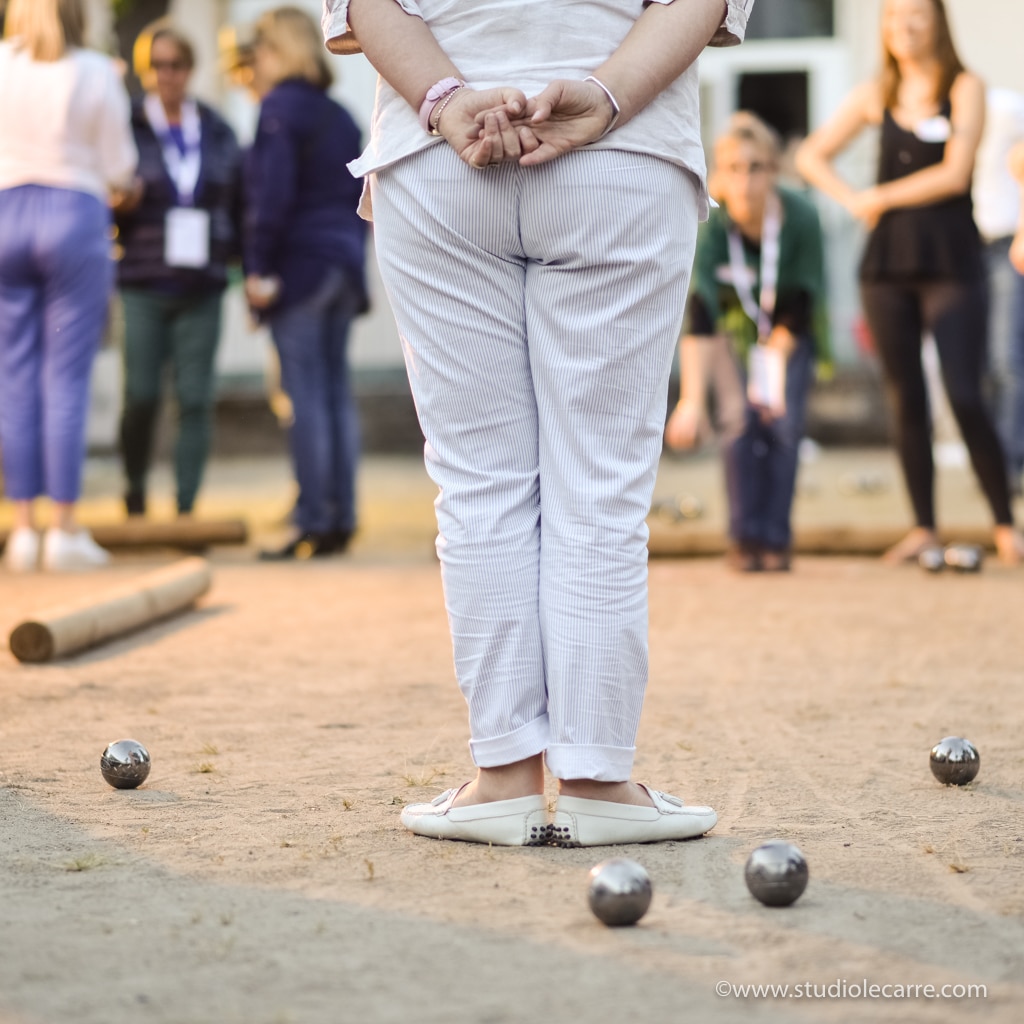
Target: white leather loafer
x=520 y=822
x=580 y=822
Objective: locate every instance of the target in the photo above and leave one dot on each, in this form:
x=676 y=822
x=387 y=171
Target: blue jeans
x=312 y=340
x=1006 y=350
x=55 y=282
x=761 y=463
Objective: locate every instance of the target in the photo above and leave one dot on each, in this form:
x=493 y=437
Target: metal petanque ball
x=932 y=559
x=776 y=873
x=620 y=891
x=954 y=761
x=125 y=764
x=679 y=508
x=964 y=557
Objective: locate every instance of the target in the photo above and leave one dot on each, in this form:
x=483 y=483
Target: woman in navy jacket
x=304 y=255
x=178 y=231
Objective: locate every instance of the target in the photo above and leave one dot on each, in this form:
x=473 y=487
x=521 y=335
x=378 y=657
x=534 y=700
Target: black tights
x=956 y=313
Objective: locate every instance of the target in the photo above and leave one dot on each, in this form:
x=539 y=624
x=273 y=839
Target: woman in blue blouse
x=304 y=254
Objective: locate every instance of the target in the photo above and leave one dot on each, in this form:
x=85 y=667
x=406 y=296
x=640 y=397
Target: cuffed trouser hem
x=580 y=761
x=526 y=741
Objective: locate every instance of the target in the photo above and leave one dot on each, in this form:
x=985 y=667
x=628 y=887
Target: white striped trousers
x=538 y=310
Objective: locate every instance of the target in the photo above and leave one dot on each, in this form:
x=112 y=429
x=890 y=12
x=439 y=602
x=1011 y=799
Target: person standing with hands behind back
x=923 y=268
x=536 y=178
x=304 y=262
x=65 y=142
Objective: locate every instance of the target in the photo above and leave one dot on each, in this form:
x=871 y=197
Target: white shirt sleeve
x=335 y=17
x=115 y=142
x=733 y=28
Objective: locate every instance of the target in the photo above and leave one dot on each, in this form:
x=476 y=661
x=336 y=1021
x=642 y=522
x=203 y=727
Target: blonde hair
x=743 y=126
x=46 y=28
x=293 y=35
x=142 y=51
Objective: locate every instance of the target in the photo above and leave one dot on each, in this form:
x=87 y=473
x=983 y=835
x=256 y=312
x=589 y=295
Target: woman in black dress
x=922 y=269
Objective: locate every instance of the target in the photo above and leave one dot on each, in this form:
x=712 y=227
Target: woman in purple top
x=304 y=254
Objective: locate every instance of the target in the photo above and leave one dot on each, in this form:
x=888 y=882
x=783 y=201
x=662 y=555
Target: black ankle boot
x=340 y=539
x=302 y=548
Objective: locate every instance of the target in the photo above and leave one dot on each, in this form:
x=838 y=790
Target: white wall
x=989 y=36
x=374 y=342
x=100 y=24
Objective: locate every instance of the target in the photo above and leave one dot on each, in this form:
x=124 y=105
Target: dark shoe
x=302 y=548
x=743 y=556
x=776 y=561
x=340 y=539
x=135 y=504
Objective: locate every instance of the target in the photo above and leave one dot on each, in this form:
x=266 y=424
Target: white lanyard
x=182 y=168
x=763 y=311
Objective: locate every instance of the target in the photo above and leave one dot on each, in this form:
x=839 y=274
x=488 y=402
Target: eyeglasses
x=168 y=65
x=752 y=169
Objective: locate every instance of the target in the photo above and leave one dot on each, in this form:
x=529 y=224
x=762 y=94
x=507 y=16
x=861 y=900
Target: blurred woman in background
x=1017 y=170
x=179 y=230
x=304 y=262
x=65 y=142
x=923 y=268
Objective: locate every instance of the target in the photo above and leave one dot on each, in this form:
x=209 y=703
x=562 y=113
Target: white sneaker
x=21 y=552
x=63 y=551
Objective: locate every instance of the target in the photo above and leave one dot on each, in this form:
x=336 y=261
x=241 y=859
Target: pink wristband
x=435 y=94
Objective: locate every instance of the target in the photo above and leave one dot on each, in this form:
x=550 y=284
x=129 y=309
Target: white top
x=64 y=123
x=996 y=194
x=527 y=44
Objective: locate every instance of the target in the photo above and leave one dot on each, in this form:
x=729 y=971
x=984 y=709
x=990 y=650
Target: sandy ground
x=261 y=874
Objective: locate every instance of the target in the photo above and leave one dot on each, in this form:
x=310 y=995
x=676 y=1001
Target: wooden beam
x=77 y=626
x=187 y=534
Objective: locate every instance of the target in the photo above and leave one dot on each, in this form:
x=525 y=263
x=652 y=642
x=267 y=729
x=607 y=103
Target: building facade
x=800 y=59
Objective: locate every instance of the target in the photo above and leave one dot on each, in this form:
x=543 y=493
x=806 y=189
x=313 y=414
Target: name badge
x=934 y=129
x=187 y=238
x=743 y=277
x=766 y=379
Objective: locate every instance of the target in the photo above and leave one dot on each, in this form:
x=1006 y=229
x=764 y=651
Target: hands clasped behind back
x=493 y=126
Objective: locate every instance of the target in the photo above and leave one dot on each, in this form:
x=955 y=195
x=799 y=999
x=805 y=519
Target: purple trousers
x=55 y=281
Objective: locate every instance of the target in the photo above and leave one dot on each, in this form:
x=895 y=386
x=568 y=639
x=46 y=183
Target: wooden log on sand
x=190 y=534
x=691 y=540
x=74 y=627
x=184 y=534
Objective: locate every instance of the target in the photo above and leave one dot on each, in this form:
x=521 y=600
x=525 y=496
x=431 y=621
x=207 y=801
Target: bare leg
x=507 y=782
x=1009 y=545
x=64 y=517
x=23 y=518
x=906 y=550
